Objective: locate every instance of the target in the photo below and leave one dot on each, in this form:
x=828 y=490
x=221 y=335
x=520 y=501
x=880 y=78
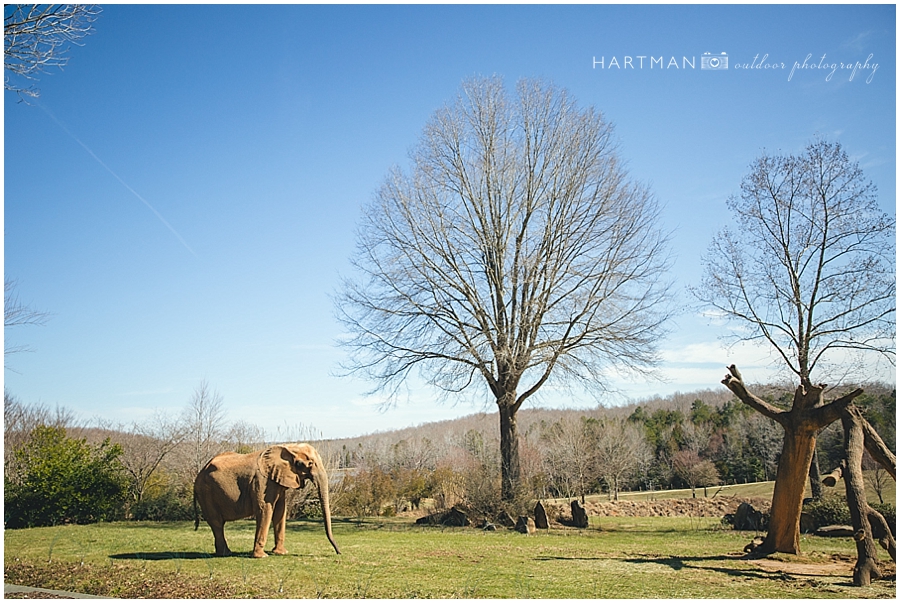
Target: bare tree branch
x=17 y=313
x=37 y=37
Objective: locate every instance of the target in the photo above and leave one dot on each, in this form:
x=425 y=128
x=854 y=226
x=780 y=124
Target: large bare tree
x=810 y=269
x=37 y=37
x=514 y=249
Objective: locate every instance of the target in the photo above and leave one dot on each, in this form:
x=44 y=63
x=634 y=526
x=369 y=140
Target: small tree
x=694 y=471
x=204 y=425
x=569 y=456
x=619 y=448
x=145 y=448
x=811 y=270
x=64 y=480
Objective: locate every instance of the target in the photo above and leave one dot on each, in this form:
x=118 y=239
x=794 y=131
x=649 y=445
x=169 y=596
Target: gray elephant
x=235 y=486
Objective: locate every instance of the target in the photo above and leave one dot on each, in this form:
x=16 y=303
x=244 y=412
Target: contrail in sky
x=116 y=176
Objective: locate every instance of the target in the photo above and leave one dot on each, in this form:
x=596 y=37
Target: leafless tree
x=811 y=270
x=146 y=445
x=515 y=249
x=694 y=471
x=37 y=37
x=619 y=449
x=569 y=456
x=16 y=313
x=245 y=437
x=205 y=426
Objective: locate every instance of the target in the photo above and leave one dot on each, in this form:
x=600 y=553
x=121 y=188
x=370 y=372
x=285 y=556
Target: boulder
x=525 y=525
x=579 y=515
x=541 y=521
x=454 y=517
x=807 y=523
x=747 y=518
x=505 y=519
x=836 y=531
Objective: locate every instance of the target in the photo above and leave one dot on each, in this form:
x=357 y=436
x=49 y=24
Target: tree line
x=58 y=470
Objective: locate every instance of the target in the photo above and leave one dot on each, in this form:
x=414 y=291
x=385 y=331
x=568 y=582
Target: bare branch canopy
x=515 y=249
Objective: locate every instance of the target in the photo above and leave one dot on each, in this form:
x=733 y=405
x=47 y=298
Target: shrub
x=889 y=512
x=64 y=480
x=831 y=510
x=171 y=505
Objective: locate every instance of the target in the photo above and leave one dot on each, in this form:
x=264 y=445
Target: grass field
x=660 y=557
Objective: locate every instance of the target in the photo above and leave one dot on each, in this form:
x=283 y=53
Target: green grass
x=628 y=558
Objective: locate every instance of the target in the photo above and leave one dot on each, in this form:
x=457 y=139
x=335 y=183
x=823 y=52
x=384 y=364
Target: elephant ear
x=276 y=463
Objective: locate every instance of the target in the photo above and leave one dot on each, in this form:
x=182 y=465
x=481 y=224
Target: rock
x=525 y=525
x=505 y=519
x=747 y=518
x=488 y=526
x=754 y=544
x=579 y=515
x=807 y=523
x=454 y=517
x=457 y=518
x=541 y=521
x=836 y=531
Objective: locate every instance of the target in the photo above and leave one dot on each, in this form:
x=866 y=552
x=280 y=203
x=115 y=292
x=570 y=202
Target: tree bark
x=510 y=468
x=866 y=568
x=787 y=500
x=878 y=449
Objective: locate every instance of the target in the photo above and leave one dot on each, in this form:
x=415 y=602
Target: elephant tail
x=196 y=513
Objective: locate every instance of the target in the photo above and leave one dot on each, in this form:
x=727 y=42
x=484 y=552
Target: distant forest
x=686 y=440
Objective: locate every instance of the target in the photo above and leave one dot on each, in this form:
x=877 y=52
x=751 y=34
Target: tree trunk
x=807 y=416
x=790 y=486
x=866 y=568
x=815 y=477
x=510 y=469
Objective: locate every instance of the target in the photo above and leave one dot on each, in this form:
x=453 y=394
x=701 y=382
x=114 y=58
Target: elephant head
x=291 y=465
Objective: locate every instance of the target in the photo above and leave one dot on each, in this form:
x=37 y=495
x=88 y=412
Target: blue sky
x=256 y=133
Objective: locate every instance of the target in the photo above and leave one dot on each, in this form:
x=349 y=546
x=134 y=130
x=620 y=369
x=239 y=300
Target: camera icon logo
x=715 y=62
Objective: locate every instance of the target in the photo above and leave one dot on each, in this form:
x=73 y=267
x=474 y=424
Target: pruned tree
x=869 y=525
x=515 y=250
x=810 y=270
x=37 y=37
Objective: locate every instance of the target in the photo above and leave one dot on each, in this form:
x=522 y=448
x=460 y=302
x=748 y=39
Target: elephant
x=235 y=486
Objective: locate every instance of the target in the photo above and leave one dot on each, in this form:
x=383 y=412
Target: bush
x=64 y=480
x=169 y=506
x=889 y=512
x=831 y=510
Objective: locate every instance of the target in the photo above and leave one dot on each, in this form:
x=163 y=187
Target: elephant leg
x=278 y=522
x=218 y=530
x=263 y=520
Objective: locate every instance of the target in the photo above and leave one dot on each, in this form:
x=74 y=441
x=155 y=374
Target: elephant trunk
x=321 y=479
